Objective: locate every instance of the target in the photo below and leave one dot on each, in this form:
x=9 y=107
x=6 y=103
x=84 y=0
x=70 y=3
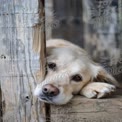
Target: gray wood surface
x=18 y=62
x=82 y=109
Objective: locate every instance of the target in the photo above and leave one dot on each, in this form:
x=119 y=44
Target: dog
x=71 y=71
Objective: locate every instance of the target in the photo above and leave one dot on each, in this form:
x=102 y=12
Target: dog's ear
x=101 y=75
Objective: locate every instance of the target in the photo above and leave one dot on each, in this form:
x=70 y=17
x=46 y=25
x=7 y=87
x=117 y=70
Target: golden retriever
x=71 y=71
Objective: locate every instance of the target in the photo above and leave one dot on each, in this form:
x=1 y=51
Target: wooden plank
x=18 y=63
x=19 y=21
x=18 y=103
x=18 y=80
x=18 y=6
x=17 y=49
x=82 y=109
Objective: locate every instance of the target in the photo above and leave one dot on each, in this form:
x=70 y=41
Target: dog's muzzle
x=49 y=91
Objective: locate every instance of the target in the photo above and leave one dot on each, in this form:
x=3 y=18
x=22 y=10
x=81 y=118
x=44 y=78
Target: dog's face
x=68 y=70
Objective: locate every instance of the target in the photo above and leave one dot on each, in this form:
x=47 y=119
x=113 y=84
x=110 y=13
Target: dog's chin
x=46 y=100
x=49 y=101
x=54 y=100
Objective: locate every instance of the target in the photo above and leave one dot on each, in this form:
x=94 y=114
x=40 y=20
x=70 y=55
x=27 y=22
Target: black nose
x=50 y=90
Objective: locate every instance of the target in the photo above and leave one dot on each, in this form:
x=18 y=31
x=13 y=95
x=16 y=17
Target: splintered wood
x=39 y=40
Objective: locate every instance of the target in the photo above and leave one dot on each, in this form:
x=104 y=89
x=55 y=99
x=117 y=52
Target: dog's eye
x=52 y=66
x=76 y=78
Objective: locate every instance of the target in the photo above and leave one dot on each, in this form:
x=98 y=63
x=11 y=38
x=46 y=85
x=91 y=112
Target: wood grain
x=82 y=109
x=18 y=62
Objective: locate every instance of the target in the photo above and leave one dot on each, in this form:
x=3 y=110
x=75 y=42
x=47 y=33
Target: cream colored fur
x=70 y=60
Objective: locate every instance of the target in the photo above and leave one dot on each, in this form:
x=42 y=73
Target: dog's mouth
x=46 y=99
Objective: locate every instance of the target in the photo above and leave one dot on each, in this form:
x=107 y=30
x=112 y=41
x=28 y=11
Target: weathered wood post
x=18 y=61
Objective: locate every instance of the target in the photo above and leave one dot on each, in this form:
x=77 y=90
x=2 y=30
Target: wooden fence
x=19 y=63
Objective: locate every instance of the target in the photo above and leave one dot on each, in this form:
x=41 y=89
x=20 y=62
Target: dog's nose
x=50 y=90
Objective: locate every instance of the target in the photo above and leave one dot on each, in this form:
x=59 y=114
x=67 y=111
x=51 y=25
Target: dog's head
x=68 y=71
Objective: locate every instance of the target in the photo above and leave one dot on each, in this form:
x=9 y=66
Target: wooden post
x=18 y=62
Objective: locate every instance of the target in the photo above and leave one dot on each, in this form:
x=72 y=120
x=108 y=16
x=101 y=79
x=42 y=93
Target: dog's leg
x=97 y=90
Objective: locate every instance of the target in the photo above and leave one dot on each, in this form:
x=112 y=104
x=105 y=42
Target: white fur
x=98 y=90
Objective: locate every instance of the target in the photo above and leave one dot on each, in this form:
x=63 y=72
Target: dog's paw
x=98 y=90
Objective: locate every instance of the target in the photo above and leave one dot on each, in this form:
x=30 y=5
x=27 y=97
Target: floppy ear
x=101 y=75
